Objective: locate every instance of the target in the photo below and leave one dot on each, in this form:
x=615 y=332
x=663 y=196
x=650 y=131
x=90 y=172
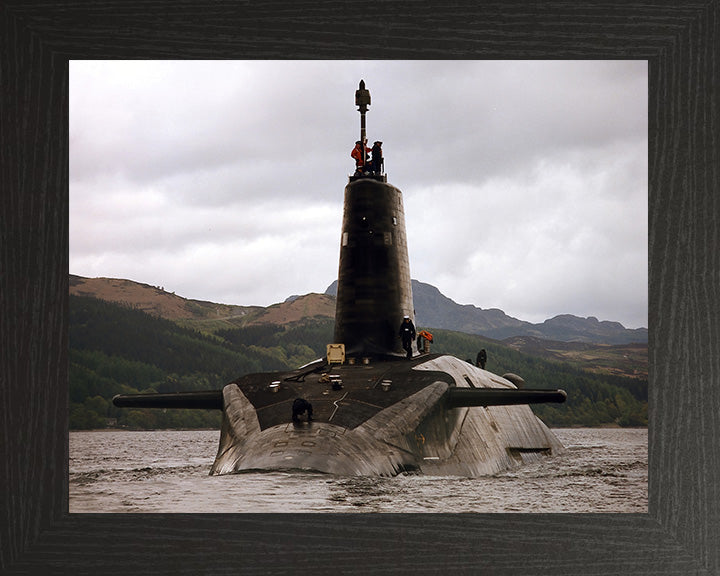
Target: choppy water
x=602 y=470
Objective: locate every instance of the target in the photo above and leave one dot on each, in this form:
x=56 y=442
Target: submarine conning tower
x=374 y=286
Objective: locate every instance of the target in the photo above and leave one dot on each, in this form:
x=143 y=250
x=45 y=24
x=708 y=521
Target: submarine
x=375 y=405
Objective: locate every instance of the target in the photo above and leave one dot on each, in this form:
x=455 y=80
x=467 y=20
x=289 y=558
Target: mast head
x=362 y=97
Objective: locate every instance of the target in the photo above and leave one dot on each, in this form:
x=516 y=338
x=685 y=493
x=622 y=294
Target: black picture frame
x=680 y=534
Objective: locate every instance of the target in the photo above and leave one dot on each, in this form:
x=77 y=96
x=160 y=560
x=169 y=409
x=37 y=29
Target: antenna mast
x=362 y=101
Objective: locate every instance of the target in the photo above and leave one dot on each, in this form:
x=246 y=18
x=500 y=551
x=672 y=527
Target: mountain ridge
x=432 y=310
x=435 y=310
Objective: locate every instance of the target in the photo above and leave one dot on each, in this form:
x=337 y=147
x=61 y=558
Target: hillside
x=119 y=349
x=297 y=308
x=198 y=314
x=601 y=347
x=629 y=360
x=156 y=301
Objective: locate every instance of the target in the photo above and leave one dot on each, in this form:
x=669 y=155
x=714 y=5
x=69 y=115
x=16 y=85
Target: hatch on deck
x=336 y=353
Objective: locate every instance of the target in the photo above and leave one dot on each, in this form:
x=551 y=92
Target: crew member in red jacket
x=360 y=158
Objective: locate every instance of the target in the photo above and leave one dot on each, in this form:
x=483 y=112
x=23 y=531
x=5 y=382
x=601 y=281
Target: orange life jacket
x=357 y=154
x=425 y=334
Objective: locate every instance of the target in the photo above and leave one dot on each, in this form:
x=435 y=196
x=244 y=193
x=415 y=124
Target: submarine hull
x=388 y=418
x=379 y=412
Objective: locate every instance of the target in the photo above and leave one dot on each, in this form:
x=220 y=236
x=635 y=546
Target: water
x=602 y=470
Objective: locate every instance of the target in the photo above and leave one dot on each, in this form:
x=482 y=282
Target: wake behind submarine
x=374 y=406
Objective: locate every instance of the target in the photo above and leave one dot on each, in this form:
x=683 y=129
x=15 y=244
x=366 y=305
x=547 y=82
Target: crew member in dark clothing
x=376 y=164
x=407 y=333
x=300 y=406
x=481 y=359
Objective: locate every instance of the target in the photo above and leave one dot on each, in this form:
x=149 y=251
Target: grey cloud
x=514 y=174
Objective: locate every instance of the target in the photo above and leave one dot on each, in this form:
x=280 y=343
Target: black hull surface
x=389 y=417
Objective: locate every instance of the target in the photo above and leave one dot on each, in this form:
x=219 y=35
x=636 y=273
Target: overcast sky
x=524 y=182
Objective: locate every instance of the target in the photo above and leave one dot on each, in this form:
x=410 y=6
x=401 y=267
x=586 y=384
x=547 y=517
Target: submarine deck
x=363 y=390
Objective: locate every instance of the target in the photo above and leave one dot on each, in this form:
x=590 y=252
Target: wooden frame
x=680 y=534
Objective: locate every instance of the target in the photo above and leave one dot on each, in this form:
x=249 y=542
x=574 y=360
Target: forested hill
x=118 y=348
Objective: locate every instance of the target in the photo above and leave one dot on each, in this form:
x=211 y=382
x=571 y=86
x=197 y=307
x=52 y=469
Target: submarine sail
x=374 y=287
x=375 y=405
